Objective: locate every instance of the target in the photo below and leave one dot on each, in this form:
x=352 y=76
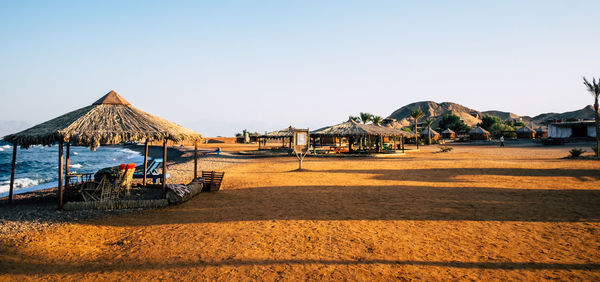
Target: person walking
x=501 y=141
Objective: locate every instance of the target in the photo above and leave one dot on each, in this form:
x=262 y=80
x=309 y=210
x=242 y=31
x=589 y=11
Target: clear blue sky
x=221 y=66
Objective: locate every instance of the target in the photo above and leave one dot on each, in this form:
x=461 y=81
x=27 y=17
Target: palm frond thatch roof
x=397 y=131
x=110 y=120
x=479 y=131
x=353 y=128
x=282 y=133
x=448 y=131
x=348 y=128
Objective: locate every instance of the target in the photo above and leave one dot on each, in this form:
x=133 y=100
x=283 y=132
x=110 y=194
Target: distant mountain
x=472 y=117
x=435 y=110
x=585 y=113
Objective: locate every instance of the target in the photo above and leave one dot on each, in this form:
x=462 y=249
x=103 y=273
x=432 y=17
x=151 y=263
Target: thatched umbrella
x=479 y=133
x=394 y=130
x=110 y=120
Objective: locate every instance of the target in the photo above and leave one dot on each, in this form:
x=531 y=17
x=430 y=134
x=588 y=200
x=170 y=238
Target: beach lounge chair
x=151 y=172
x=212 y=180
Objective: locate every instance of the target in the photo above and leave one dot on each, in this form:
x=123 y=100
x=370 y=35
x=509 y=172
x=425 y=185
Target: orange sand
x=474 y=213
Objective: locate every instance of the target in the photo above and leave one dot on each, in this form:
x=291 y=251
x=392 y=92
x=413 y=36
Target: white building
x=585 y=128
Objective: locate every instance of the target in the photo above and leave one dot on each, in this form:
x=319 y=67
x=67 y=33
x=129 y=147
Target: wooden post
x=164 y=172
x=67 y=166
x=60 y=175
x=402 y=143
x=196 y=159
x=12 y=174
x=145 y=163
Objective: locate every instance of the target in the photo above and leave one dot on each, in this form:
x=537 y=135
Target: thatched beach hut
x=109 y=120
x=448 y=134
x=479 y=133
x=525 y=132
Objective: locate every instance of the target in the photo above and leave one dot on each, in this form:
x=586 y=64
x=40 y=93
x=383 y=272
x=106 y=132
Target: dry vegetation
x=474 y=213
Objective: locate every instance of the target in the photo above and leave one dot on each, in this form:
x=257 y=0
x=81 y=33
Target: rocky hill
x=472 y=117
x=435 y=110
x=585 y=113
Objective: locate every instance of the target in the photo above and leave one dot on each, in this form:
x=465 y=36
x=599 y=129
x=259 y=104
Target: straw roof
x=426 y=131
x=479 y=131
x=397 y=131
x=525 y=129
x=448 y=131
x=349 y=128
x=282 y=133
x=110 y=120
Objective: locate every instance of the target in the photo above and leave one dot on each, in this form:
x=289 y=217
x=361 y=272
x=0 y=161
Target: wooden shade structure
x=283 y=134
x=110 y=120
x=353 y=129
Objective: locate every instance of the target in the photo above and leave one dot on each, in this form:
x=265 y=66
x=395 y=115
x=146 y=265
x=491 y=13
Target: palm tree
x=377 y=119
x=365 y=117
x=429 y=122
x=594 y=88
x=354 y=118
x=416 y=115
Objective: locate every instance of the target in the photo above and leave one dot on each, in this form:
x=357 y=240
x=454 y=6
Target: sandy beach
x=476 y=213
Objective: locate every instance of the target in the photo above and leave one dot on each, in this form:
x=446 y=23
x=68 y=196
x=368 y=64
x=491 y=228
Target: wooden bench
x=212 y=180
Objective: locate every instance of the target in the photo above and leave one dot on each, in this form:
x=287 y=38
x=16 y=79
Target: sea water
x=37 y=166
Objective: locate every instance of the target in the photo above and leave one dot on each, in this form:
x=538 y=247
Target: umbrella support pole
x=145 y=163
x=164 y=172
x=60 y=175
x=67 y=166
x=12 y=174
x=196 y=159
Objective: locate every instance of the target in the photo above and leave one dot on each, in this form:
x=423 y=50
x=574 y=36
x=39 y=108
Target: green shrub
x=576 y=152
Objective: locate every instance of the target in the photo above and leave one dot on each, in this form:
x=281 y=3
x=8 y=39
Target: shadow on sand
x=62 y=268
x=377 y=203
x=450 y=174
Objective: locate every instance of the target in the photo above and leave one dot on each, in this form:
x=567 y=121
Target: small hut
x=525 y=132
x=285 y=135
x=479 y=133
x=424 y=134
x=541 y=132
x=110 y=120
x=448 y=134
